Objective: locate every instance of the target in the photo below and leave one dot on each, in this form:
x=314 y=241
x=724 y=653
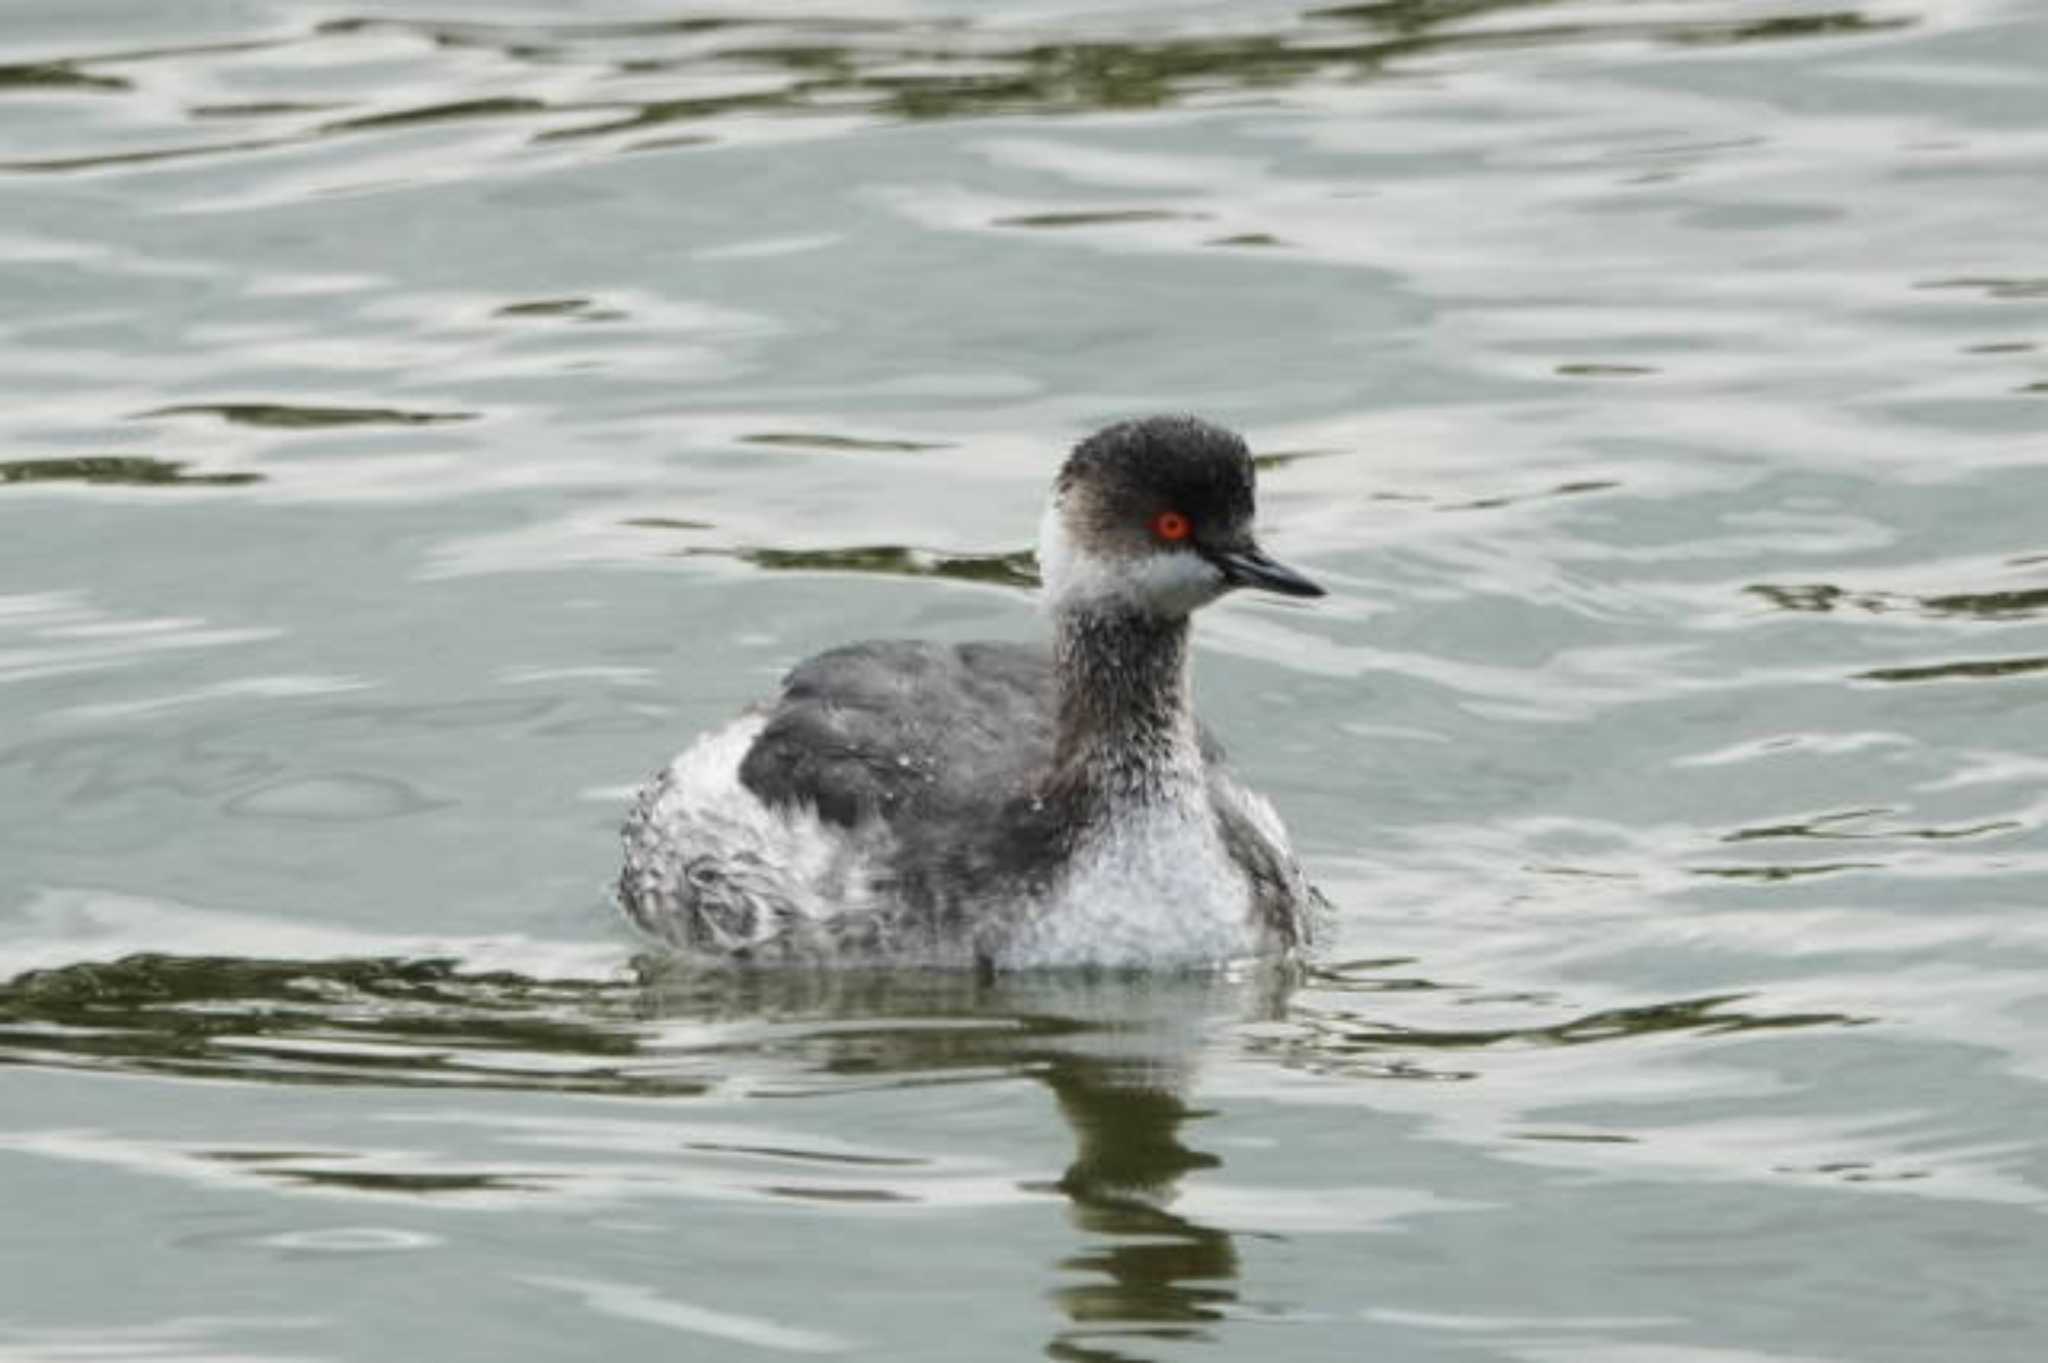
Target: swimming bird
x=991 y=804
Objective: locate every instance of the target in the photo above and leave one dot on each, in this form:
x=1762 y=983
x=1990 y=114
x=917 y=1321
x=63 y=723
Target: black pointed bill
x=1249 y=567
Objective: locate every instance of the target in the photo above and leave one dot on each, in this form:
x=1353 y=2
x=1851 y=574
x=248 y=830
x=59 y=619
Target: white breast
x=1156 y=889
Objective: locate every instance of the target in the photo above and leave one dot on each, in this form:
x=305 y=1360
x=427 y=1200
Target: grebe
x=994 y=805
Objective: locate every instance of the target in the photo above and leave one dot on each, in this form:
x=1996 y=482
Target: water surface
x=419 y=422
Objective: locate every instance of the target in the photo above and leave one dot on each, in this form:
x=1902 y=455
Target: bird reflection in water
x=1162 y=1275
x=1119 y=1053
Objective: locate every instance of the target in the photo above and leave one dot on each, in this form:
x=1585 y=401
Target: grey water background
x=419 y=420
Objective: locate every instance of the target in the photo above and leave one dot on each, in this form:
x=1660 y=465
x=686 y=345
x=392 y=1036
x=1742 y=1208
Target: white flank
x=702 y=845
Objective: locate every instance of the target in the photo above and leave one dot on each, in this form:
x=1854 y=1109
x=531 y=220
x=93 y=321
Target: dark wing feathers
x=897 y=728
x=891 y=727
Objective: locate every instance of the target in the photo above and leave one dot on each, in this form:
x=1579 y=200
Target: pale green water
x=419 y=421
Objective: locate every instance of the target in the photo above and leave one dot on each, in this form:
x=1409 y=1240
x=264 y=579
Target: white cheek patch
x=1172 y=583
x=1169 y=582
x=1055 y=551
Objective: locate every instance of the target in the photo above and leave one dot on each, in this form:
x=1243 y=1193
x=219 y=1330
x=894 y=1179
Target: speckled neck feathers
x=1125 y=730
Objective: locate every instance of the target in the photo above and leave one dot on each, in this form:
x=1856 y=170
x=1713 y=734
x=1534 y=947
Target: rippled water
x=418 y=422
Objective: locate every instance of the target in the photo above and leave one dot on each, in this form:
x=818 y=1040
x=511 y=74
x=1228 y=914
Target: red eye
x=1172 y=526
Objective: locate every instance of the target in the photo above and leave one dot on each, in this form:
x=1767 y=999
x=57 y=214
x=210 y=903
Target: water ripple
x=421 y=423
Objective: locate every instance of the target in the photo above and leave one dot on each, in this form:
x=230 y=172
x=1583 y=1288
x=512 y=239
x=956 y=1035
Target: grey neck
x=1126 y=720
